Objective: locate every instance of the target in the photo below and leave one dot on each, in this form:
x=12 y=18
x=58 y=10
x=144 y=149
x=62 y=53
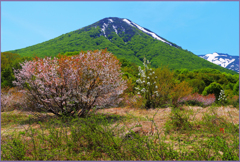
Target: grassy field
x=192 y=133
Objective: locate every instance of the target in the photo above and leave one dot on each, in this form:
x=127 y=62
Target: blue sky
x=200 y=27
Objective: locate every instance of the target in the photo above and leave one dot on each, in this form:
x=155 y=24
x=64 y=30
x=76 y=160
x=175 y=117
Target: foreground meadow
x=192 y=133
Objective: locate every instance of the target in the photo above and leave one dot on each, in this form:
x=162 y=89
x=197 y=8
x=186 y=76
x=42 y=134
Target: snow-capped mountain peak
x=119 y=25
x=224 y=60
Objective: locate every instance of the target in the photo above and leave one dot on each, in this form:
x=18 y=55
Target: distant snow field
x=224 y=60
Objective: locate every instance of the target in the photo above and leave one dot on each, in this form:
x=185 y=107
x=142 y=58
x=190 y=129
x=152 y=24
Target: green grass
x=98 y=137
x=11 y=119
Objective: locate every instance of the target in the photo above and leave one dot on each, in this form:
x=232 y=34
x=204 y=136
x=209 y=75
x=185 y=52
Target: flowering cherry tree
x=148 y=87
x=72 y=85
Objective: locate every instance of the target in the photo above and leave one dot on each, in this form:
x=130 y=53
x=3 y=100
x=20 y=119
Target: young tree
x=72 y=85
x=148 y=87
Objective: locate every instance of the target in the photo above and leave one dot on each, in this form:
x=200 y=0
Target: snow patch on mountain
x=110 y=20
x=145 y=31
x=152 y=34
x=128 y=22
x=115 y=28
x=224 y=60
x=216 y=60
x=104 y=28
x=211 y=57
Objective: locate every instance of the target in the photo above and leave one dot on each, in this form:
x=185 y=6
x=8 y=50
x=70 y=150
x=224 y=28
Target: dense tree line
x=203 y=81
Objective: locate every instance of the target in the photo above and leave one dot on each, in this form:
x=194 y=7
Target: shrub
x=7 y=77
x=11 y=99
x=179 y=121
x=229 y=93
x=198 y=85
x=230 y=86
x=5 y=101
x=236 y=88
x=136 y=101
x=234 y=100
x=214 y=88
x=72 y=85
x=165 y=83
x=179 y=91
x=130 y=87
x=197 y=99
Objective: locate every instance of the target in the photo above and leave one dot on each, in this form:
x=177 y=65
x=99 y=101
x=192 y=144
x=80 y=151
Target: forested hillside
x=130 y=43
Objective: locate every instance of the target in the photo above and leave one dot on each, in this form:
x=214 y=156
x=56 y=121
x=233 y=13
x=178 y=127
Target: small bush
x=179 y=121
x=198 y=85
x=165 y=83
x=179 y=91
x=213 y=88
x=234 y=101
x=236 y=88
x=11 y=99
x=136 y=101
x=7 y=77
x=197 y=99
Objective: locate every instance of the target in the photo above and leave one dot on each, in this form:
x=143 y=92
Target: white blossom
x=138 y=81
x=139 y=68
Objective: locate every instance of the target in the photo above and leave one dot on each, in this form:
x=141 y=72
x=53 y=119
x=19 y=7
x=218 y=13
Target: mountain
x=125 y=39
x=109 y=25
x=223 y=59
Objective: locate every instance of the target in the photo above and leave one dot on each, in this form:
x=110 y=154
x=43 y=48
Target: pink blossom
x=205 y=100
x=78 y=79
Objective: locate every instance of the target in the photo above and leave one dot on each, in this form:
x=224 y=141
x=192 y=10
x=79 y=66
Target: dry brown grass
x=160 y=116
x=222 y=111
